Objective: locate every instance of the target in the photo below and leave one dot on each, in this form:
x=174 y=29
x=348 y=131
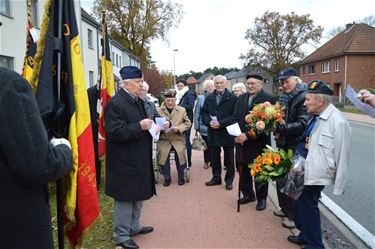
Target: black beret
x=182 y=81
x=286 y=73
x=170 y=94
x=255 y=76
x=319 y=86
x=130 y=72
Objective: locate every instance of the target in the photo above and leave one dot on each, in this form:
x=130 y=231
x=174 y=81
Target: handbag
x=198 y=143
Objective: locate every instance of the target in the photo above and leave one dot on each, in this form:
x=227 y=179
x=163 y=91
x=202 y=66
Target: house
x=348 y=58
x=199 y=84
x=13 y=16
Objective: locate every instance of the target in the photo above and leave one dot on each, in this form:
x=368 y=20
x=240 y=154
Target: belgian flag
x=61 y=93
x=107 y=85
x=28 y=64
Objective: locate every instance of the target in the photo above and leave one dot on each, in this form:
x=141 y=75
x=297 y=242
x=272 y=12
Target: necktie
x=250 y=100
x=218 y=97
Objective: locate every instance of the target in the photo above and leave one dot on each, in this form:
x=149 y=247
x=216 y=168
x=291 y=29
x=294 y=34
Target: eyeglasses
x=251 y=83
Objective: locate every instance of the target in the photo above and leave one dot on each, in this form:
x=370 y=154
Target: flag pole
x=240 y=178
x=59 y=206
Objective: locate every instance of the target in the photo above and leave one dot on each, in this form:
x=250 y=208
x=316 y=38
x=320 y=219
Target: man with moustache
x=251 y=147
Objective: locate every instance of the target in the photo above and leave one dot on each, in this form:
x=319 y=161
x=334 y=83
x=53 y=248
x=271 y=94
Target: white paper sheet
x=153 y=131
x=352 y=96
x=234 y=129
x=160 y=121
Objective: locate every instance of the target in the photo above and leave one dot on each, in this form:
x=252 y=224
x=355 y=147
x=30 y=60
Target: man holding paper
x=173 y=137
x=251 y=148
x=217 y=114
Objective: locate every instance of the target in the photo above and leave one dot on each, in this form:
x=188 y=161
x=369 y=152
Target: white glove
x=56 y=141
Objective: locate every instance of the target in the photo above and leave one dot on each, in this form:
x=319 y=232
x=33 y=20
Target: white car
x=153 y=99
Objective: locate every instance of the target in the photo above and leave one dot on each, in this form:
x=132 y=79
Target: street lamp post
x=174 y=67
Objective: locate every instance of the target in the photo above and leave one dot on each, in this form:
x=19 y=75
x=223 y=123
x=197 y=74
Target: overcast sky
x=211 y=32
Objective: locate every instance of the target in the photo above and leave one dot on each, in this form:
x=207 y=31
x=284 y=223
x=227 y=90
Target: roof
x=355 y=39
x=240 y=74
x=230 y=74
x=89 y=18
x=204 y=77
x=191 y=80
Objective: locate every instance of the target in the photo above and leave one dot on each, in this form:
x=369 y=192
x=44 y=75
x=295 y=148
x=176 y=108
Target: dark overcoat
x=129 y=171
x=224 y=113
x=252 y=147
x=27 y=163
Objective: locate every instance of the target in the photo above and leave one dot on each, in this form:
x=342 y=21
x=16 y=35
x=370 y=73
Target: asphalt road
x=359 y=197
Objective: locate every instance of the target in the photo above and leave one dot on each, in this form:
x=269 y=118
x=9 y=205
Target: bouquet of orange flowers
x=271 y=165
x=263 y=118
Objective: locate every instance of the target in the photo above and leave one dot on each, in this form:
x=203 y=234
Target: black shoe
x=128 y=244
x=246 y=199
x=166 y=183
x=212 y=182
x=181 y=182
x=296 y=240
x=261 y=204
x=144 y=230
x=229 y=186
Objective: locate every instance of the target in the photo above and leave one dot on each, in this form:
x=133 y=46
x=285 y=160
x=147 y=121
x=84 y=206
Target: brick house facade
x=348 y=58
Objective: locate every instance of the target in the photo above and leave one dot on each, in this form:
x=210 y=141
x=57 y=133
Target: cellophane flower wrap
x=271 y=165
x=263 y=118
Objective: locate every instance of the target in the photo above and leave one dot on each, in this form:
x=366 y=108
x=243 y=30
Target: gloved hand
x=56 y=141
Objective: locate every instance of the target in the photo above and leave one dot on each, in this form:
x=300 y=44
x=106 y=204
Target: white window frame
x=337 y=65
x=7 y=62
x=91 y=78
x=325 y=67
x=5 y=7
x=311 y=69
x=89 y=39
x=34 y=13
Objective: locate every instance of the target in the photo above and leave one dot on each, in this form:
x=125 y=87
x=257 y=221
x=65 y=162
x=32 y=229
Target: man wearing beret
x=328 y=147
x=287 y=134
x=251 y=147
x=129 y=171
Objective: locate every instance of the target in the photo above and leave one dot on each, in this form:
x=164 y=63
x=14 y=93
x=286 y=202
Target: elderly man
x=173 y=138
x=217 y=114
x=129 y=171
x=287 y=134
x=150 y=107
x=328 y=140
x=251 y=148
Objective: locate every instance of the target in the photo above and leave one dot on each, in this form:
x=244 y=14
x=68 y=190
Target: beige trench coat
x=179 y=119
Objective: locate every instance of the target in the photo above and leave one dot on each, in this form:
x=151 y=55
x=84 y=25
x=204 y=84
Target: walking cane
x=240 y=178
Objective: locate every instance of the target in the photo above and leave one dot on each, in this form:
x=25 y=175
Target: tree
x=154 y=80
x=134 y=23
x=369 y=20
x=276 y=40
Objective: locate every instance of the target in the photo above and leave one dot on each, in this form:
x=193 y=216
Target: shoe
x=261 y=204
x=212 y=182
x=296 y=240
x=144 y=230
x=288 y=223
x=229 y=186
x=246 y=199
x=205 y=166
x=128 y=244
x=166 y=183
x=181 y=182
x=279 y=213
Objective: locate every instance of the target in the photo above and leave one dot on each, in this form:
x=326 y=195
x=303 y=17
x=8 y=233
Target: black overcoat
x=27 y=163
x=252 y=147
x=224 y=113
x=129 y=171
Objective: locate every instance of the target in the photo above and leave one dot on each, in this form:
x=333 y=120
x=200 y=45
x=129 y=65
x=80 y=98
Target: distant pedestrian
x=217 y=114
x=150 y=106
x=199 y=126
x=238 y=89
x=287 y=134
x=328 y=145
x=251 y=148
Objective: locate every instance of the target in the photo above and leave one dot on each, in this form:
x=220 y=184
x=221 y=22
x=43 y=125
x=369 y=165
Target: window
x=6 y=62
x=337 y=65
x=311 y=69
x=89 y=38
x=34 y=13
x=303 y=70
x=325 y=67
x=113 y=57
x=91 y=78
x=116 y=60
x=120 y=60
x=5 y=7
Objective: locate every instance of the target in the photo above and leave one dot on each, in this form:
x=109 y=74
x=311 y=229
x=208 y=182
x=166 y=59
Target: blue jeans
x=188 y=146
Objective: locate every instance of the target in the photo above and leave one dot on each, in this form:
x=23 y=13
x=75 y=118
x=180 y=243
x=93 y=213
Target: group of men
x=130 y=179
